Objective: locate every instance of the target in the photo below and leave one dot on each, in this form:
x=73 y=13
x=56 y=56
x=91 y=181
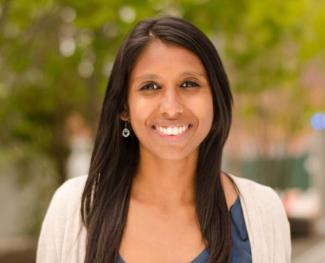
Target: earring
x=125 y=131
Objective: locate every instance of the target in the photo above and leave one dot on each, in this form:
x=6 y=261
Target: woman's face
x=170 y=101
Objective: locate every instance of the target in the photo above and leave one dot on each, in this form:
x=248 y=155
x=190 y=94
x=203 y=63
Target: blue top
x=240 y=250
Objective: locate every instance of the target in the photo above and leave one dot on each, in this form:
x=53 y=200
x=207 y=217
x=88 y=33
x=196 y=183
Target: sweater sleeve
x=59 y=226
x=266 y=220
x=281 y=228
x=50 y=239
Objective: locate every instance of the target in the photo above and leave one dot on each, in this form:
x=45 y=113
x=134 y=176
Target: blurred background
x=55 y=58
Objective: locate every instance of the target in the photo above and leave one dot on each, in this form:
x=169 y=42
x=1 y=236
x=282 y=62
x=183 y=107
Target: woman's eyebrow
x=184 y=74
x=146 y=77
x=192 y=73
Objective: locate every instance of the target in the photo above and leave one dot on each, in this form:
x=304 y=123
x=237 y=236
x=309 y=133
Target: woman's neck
x=165 y=183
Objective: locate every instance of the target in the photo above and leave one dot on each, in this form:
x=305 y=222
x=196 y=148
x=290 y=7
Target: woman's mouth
x=173 y=130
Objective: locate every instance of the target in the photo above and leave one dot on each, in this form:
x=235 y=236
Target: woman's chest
x=151 y=235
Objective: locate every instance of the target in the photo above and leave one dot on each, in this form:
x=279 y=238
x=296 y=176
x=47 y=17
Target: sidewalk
x=309 y=249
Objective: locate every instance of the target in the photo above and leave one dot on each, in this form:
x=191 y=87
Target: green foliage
x=55 y=56
x=264 y=44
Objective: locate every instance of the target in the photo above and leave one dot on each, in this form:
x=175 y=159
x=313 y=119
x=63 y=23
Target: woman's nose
x=171 y=105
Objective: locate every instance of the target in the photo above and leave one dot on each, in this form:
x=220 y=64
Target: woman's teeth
x=172 y=130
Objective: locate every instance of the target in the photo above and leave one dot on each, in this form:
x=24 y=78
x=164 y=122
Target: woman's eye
x=150 y=86
x=189 y=83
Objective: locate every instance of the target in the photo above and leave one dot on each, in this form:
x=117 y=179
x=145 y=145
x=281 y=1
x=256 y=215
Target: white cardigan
x=62 y=237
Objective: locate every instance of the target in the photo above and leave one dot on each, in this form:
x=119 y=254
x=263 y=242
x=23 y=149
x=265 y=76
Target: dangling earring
x=125 y=131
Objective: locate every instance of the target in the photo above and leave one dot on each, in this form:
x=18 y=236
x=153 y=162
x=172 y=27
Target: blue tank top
x=240 y=250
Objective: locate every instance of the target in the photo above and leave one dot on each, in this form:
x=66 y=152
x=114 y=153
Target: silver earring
x=125 y=131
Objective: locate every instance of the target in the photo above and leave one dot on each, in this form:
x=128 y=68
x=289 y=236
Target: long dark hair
x=114 y=160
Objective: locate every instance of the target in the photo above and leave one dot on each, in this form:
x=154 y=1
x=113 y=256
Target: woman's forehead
x=158 y=57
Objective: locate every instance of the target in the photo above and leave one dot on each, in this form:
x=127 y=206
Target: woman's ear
x=124 y=116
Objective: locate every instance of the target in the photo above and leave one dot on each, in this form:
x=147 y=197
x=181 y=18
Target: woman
x=155 y=190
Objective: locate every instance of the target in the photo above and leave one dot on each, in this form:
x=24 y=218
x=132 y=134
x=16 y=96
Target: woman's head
x=115 y=158
x=175 y=32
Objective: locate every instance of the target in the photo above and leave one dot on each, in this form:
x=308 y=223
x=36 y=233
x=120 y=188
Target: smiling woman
x=155 y=190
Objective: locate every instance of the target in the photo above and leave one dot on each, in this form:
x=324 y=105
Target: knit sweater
x=63 y=237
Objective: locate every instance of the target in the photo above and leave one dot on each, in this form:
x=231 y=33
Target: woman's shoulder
x=248 y=186
x=72 y=186
x=67 y=199
x=261 y=196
